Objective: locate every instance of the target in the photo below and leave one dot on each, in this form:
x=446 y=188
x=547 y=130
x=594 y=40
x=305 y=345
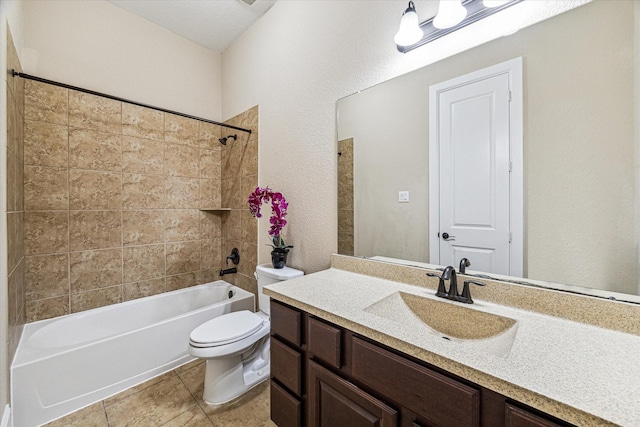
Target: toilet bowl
x=236 y=345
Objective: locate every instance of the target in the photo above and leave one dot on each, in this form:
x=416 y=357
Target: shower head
x=223 y=141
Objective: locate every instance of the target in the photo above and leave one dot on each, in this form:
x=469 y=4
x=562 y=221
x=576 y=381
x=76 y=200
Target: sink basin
x=459 y=323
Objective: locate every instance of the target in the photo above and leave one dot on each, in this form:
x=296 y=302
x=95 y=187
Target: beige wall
x=296 y=62
x=579 y=127
x=96 y=45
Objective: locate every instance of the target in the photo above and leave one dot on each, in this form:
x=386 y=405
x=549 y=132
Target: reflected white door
x=474 y=173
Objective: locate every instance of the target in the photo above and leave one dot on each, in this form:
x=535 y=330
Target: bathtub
x=64 y=364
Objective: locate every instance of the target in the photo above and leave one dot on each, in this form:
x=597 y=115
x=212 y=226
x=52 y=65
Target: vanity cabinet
x=324 y=375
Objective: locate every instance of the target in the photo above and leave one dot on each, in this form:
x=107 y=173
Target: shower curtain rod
x=15 y=73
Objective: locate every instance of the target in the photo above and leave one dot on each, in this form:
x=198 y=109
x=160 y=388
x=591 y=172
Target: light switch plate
x=403 y=196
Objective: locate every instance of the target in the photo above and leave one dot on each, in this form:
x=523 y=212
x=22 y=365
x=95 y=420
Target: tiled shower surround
x=114 y=196
x=15 y=205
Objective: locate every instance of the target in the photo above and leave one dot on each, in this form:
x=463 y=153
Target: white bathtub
x=69 y=362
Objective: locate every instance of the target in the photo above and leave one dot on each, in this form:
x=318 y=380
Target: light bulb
x=409 y=32
x=450 y=13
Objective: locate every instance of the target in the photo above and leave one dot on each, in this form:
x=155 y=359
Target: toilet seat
x=226 y=329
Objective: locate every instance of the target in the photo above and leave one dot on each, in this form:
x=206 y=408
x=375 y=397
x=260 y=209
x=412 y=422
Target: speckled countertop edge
x=555 y=365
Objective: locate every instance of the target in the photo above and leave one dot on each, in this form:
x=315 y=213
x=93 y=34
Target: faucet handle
x=466 y=293
x=441 y=289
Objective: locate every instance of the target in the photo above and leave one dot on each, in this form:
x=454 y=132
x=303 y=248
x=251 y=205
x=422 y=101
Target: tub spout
x=228 y=271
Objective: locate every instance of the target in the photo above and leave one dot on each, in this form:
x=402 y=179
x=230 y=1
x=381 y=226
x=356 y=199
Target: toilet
x=236 y=345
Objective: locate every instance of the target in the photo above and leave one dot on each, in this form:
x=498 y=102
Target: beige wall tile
x=15 y=239
x=249 y=227
x=13 y=288
x=181 y=160
x=232 y=225
x=231 y=193
x=142 y=227
x=94 y=190
x=46 y=232
x=45 y=188
x=211 y=225
x=97 y=298
x=182 y=225
x=142 y=122
x=13 y=125
x=19 y=189
x=45 y=103
x=182 y=193
x=45 y=144
x=90 y=149
x=143 y=262
x=47 y=308
x=144 y=288
x=208 y=135
x=210 y=255
x=250 y=258
x=88 y=111
x=180 y=130
x=95 y=230
x=248 y=185
x=181 y=281
x=231 y=157
x=210 y=194
x=46 y=276
x=95 y=269
x=210 y=164
x=183 y=257
x=12 y=181
x=249 y=164
x=208 y=276
x=144 y=156
x=143 y=191
x=249 y=284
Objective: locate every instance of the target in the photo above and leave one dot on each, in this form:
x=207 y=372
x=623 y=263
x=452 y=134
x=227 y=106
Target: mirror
x=580 y=153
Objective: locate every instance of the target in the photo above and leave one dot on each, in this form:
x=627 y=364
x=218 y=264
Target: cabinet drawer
x=517 y=417
x=435 y=397
x=324 y=341
x=286 y=366
x=286 y=410
x=286 y=323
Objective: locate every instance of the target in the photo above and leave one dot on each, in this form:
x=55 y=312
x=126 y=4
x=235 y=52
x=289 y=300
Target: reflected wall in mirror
x=580 y=150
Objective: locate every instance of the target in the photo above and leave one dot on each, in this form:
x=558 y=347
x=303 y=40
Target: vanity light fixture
x=452 y=15
x=494 y=3
x=409 y=32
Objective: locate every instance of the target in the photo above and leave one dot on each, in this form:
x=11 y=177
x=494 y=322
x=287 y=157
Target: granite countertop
x=584 y=374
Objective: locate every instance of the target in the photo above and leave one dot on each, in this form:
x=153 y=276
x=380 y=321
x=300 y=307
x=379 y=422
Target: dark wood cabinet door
x=333 y=401
x=517 y=417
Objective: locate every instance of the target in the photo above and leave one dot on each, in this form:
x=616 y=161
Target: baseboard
x=6 y=417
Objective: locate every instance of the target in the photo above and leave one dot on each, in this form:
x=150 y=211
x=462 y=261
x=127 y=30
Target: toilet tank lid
x=285 y=273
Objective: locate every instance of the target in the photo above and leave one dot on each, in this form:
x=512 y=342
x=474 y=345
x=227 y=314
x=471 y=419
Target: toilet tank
x=267 y=275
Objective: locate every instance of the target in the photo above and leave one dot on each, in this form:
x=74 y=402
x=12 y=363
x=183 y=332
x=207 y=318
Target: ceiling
x=215 y=24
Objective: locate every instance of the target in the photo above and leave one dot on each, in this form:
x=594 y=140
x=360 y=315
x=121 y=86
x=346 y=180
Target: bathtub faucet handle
x=234 y=257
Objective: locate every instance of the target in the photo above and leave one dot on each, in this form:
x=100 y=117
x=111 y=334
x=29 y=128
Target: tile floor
x=173 y=399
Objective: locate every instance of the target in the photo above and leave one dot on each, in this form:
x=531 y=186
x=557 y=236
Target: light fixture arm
x=476 y=10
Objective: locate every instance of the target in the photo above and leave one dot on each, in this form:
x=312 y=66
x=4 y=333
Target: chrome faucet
x=449 y=274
